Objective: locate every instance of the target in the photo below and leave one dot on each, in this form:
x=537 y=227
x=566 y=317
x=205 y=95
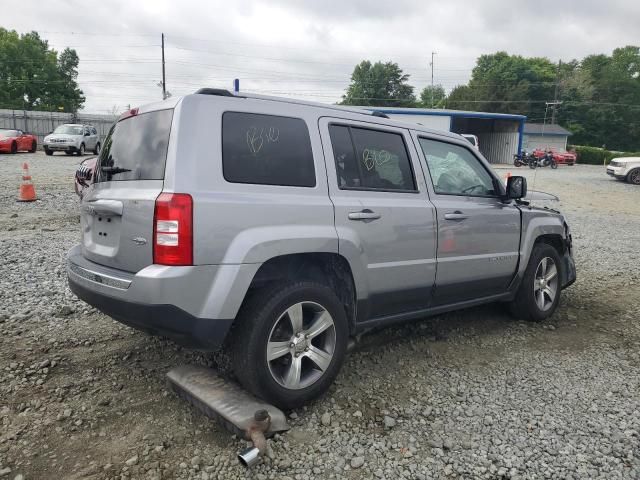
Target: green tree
x=601 y=100
x=506 y=83
x=433 y=97
x=379 y=84
x=35 y=77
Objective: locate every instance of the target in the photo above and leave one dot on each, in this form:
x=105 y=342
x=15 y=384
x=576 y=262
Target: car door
x=88 y=139
x=383 y=216
x=478 y=233
x=22 y=141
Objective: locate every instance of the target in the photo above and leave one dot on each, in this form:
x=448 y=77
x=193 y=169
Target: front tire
x=14 y=148
x=634 y=177
x=34 y=147
x=81 y=150
x=48 y=152
x=539 y=293
x=533 y=164
x=554 y=164
x=289 y=342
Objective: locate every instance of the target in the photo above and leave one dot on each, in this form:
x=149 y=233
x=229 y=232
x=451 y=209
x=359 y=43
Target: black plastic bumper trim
x=159 y=319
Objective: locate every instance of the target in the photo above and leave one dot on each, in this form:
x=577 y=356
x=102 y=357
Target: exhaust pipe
x=261 y=423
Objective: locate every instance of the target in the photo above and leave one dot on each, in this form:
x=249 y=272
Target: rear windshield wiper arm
x=114 y=170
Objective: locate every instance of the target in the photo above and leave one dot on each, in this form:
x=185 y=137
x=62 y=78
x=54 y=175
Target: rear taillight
x=173 y=229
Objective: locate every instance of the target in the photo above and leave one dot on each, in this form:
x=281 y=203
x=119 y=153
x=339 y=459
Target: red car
x=14 y=141
x=561 y=158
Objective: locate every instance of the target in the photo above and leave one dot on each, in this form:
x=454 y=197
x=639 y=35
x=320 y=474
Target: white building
x=544 y=137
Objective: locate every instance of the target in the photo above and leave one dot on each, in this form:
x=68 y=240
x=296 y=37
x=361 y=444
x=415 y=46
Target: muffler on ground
x=235 y=409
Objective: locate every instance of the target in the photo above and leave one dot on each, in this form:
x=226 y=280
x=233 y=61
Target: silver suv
x=278 y=229
x=72 y=138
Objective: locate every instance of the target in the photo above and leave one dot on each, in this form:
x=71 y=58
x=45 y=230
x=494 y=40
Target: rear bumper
x=158 y=319
x=194 y=306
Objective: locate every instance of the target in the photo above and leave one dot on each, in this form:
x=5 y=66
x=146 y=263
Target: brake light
x=128 y=113
x=173 y=229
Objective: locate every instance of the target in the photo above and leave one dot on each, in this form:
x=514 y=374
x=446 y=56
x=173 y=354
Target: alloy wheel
x=300 y=346
x=634 y=177
x=545 y=284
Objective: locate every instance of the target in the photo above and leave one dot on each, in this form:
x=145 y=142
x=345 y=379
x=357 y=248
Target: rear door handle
x=365 y=214
x=457 y=215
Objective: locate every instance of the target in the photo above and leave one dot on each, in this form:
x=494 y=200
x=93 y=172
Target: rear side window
x=371 y=159
x=136 y=148
x=267 y=150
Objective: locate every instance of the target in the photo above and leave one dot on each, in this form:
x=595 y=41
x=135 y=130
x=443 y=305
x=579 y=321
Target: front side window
x=455 y=170
x=266 y=150
x=371 y=159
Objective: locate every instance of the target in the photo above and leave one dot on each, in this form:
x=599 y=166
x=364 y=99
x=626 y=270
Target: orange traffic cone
x=27 y=191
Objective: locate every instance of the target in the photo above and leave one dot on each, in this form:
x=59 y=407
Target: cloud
x=307 y=49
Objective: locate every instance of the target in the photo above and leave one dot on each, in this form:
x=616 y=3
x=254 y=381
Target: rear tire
x=554 y=164
x=34 y=147
x=634 y=177
x=14 y=148
x=96 y=150
x=533 y=164
x=292 y=377
x=536 y=300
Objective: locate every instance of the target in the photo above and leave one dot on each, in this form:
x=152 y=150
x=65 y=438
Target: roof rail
x=377 y=113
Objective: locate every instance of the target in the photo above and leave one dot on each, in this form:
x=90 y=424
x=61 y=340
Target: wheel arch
x=331 y=269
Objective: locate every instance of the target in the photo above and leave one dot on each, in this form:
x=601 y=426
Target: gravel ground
x=472 y=394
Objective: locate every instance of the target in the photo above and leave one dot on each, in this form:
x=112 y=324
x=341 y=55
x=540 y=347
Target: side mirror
x=516 y=187
x=86 y=134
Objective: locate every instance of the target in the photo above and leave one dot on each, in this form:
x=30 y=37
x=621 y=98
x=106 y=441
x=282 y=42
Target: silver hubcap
x=301 y=345
x=545 y=284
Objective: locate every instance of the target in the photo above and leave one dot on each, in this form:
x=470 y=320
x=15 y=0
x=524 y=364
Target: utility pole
x=432 y=54
x=555 y=95
x=164 y=80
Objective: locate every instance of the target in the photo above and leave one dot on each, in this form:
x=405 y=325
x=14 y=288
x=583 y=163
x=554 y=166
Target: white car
x=627 y=168
x=72 y=138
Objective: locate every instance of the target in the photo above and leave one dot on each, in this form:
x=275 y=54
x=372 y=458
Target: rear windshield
x=136 y=148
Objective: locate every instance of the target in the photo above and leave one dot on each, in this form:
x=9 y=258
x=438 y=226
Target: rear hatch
x=117 y=213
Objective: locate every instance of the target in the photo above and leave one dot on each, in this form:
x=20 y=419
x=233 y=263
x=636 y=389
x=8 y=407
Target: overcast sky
x=306 y=49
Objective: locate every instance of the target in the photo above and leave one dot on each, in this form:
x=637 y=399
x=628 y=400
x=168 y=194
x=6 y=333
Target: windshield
x=8 y=133
x=69 y=130
x=136 y=148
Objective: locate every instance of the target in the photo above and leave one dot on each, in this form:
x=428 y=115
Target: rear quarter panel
x=238 y=223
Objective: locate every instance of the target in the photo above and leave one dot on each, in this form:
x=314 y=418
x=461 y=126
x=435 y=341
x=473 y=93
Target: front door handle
x=365 y=214
x=457 y=215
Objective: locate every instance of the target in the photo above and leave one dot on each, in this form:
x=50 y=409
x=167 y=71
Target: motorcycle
x=523 y=159
x=545 y=160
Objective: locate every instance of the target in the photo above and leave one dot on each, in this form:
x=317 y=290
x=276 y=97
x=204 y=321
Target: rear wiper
x=114 y=170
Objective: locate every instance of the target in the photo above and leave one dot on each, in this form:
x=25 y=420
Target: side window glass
x=371 y=159
x=455 y=170
x=94 y=131
x=267 y=150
